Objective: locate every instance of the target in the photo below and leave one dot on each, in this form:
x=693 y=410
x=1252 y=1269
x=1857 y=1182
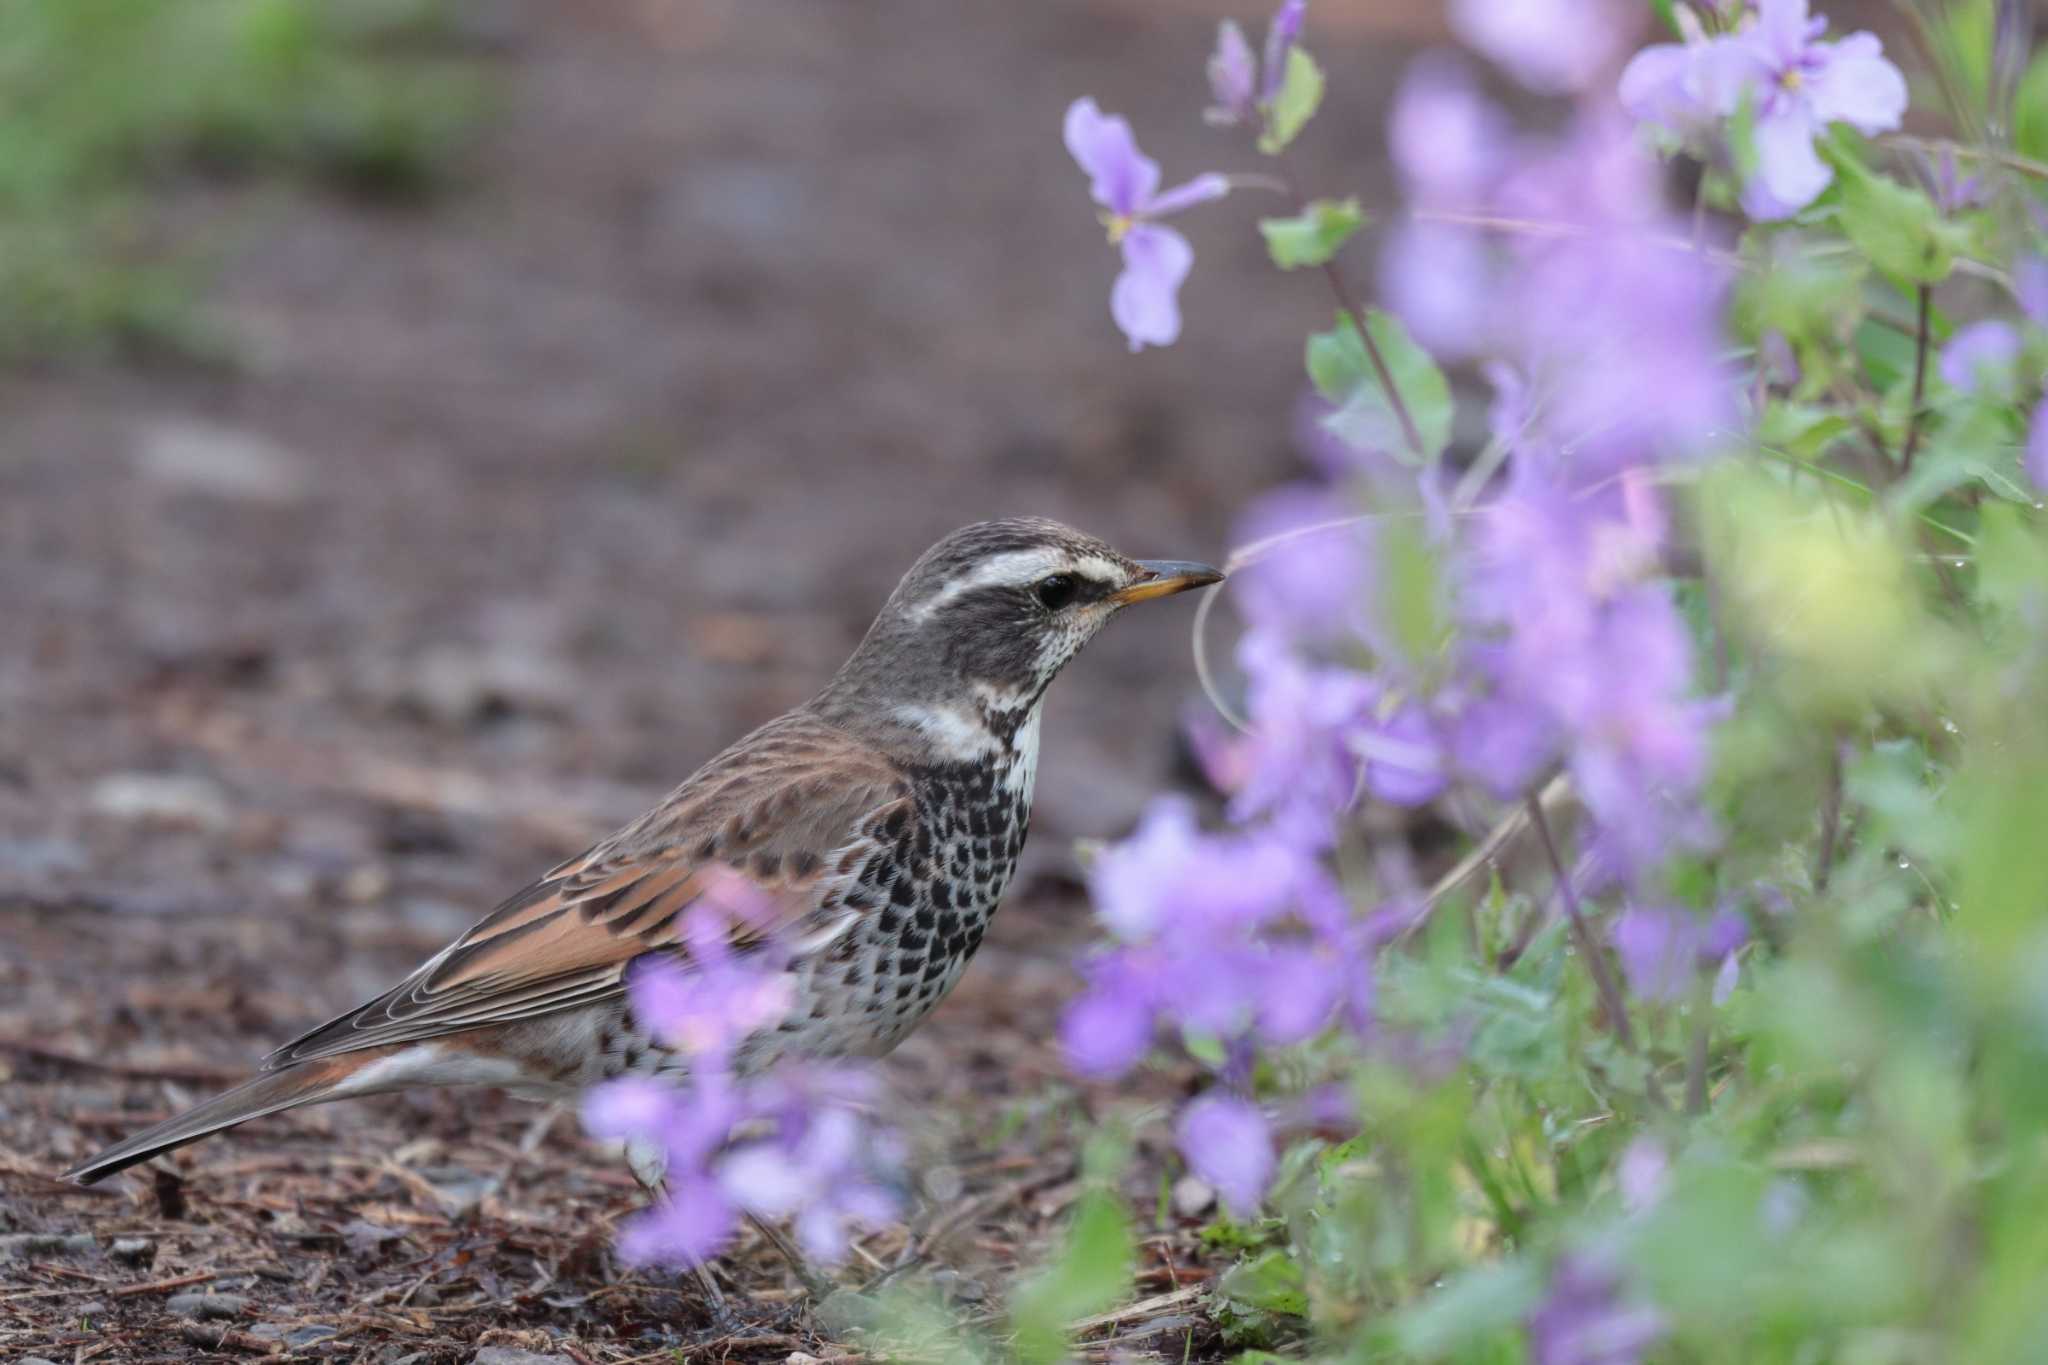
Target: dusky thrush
x=881 y=820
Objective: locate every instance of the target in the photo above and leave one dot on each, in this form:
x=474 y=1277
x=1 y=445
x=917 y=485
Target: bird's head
x=986 y=618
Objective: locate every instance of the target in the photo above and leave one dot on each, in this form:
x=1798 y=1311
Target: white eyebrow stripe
x=1015 y=568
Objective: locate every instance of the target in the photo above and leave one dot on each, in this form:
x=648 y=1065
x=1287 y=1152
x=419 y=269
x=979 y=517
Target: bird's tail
x=269 y=1093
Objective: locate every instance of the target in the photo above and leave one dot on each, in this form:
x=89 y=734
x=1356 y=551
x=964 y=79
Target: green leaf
x=2030 y=109
x=1301 y=91
x=1270 y=1283
x=1897 y=227
x=1092 y=1272
x=1471 y=1307
x=1312 y=236
x=1344 y=374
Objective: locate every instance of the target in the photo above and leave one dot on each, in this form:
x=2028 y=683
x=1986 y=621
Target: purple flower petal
x=1233 y=75
x=1790 y=171
x=1145 y=299
x=1857 y=86
x=1447 y=138
x=1281 y=35
x=1187 y=194
x=1121 y=178
x=1981 y=356
x=1644 y=1174
x=1106 y=1032
x=2030 y=286
x=1226 y=1142
x=1551 y=46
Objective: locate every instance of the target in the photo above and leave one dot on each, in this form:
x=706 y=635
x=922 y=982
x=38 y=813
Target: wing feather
x=798 y=809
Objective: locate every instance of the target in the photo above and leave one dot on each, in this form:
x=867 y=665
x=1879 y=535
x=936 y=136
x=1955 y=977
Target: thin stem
x=1696 y=1052
x=1920 y=329
x=1835 y=476
x=1347 y=303
x=1596 y=962
x=2012 y=161
x=1830 y=821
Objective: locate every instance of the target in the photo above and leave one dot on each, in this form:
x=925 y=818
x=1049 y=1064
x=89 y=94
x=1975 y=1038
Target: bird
x=880 y=821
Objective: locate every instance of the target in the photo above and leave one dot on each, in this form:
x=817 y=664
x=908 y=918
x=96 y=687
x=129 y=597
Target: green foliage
x=1090 y=1273
x=1299 y=96
x=1897 y=228
x=1343 y=373
x=1312 y=236
x=108 y=101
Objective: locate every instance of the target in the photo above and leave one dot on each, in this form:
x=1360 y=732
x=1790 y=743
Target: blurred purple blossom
x=1644 y=1174
x=1607 y=311
x=1552 y=46
x=1449 y=141
x=1586 y=1321
x=1227 y=1143
x=1313 y=586
x=1233 y=76
x=819 y=1162
x=1981 y=356
x=1224 y=934
x=1145 y=298
x=1663 y=951
x=2030 y=287
x=1282 y=33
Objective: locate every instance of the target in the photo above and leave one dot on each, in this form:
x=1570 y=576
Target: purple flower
x=1448 y=139
x=1303 y=769
x=816 y=1172
x=1281 y=35
x=1801 y=85
x=1552 y=46
x=1404 y=758
x=1108 y=1030
x=1606 y=313
x=1585 y=1321
x=2037 y=448
x=1981 y=357
x=1233 y=76
x=1644 y=1174
x=1145 y=298
x=1315 y=586
x=818 y=1160
x=1662 y=950
x=2030 y=287
x=1169 y=875
x=1227 y=1143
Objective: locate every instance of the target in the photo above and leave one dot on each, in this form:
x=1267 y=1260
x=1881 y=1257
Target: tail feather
x=269 y=1093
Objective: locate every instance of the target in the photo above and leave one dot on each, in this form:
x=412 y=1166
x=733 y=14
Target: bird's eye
x=1055 y=591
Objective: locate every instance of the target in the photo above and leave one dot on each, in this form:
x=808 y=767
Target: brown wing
x=797 y=808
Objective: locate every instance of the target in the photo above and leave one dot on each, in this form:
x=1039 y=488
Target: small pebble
x=1192 y=1196
x=133 y=1250
x=42 y=1243
x=205 y=1306
x=512 y=1355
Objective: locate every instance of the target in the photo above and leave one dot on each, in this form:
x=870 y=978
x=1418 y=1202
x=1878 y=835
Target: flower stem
x=1696 y=1059
x=1919 y=382
x=1347 y=303
x=1830 y=820
x=1596 y=961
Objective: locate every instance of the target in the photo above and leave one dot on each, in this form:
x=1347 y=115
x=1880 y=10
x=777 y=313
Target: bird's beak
x=1164 y=578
